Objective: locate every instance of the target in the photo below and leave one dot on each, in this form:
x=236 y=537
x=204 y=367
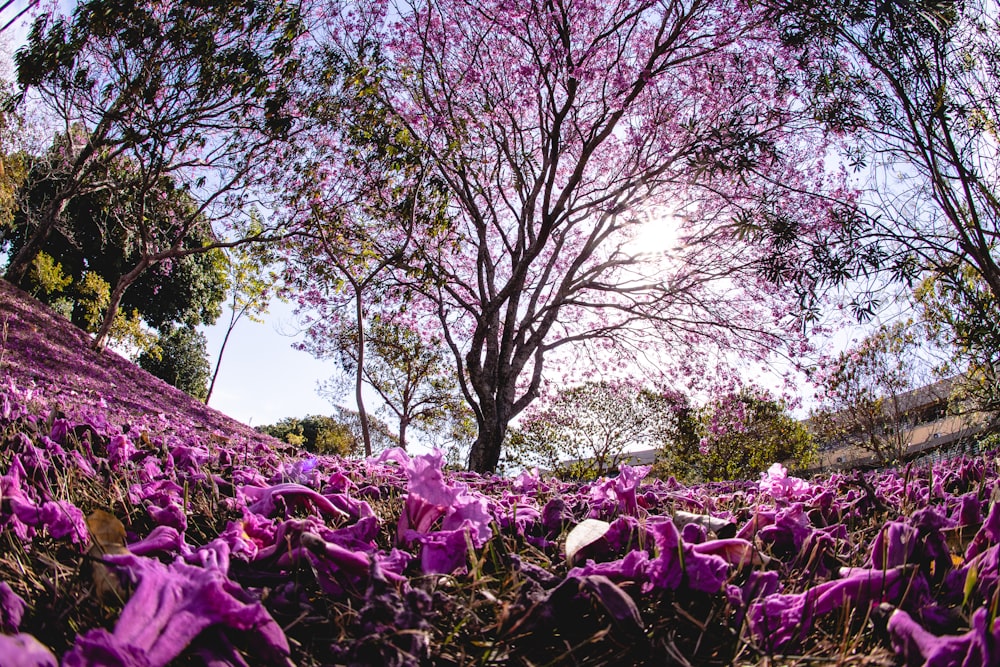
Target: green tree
x=747 y=432
x=15 y=160
x=867 y=390
x=960 y=311
x=585 y=431
x=736 y=436
x=315 y=433
x=180 y=359
x=192 y=96
x=338 y=434
x=184 y=291
x=410 y=374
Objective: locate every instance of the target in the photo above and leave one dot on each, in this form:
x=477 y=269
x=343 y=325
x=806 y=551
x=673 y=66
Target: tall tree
x=585 y=431
x=410 y=374
x=556 y=130
x=914 y=87
x=359 y=194
x=869 y=392
x=249 y=290
x=193 y=95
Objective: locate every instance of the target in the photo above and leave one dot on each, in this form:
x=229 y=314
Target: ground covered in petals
x=139 y=528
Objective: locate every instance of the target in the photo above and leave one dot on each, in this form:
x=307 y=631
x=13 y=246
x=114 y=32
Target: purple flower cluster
x=777 y=558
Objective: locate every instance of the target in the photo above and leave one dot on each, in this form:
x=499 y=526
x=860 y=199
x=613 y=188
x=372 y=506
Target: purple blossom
x=23 y=650
x=11 y=609
x=894 y=545
x=161 y=540
x=171 y=606
x=288 y=497
x=979 y=646
x=783 y=618
x=443 y=551
x=120 y=449
x=777 y=484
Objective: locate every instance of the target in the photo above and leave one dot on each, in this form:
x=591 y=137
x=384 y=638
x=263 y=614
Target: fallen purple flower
x=120 y=449
x=978 y=647
x=11 y=609
x=161 y=540
x=894 y=545
x=23 y=650
x=442 y=551
x=777 y=484
x=171 y=606
x=782 y=618
x=289 y=496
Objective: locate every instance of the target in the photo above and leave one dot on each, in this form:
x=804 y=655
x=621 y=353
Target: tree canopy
x=913 y=87
x=553 y=134
x=584 y=432
x=190 y=95
x=735 y=436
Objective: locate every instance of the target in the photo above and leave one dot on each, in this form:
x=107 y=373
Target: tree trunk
x=485 y=452
x=218 y=360
x=403 y=423
x=101 y=340
x=358 y=381
x=17 y=269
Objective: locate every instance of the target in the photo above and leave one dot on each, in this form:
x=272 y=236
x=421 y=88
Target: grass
x=513 y=605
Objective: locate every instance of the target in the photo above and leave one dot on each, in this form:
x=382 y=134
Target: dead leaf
x=108 y=536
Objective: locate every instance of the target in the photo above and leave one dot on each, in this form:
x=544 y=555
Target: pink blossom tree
x=556 y=131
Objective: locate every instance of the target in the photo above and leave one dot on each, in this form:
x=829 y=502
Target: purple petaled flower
x=979 y=646
x=988 y=535
x=789 y=531
x=527 y=481
x=286 y=497
x=667 y=569
x=443 y=551
x=63 y=519
x=777 y=484
x=633 y=567
x=555 y=515
x=626 y=486
x=120 y=449
x=469 y=510
x=733 y=550
x=23 y=650
x=161 y=540
x=428 y=496
x=303 y=471
x=11 y=609
x=171 y=606
x=894 y=545
x=780 y=618
x=969 y=511
x=60 y=429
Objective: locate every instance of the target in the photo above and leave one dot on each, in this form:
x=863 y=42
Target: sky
x=262 y=378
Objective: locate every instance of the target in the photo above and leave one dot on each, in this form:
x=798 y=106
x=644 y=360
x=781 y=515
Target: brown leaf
x=108 y=535
x=105 y=529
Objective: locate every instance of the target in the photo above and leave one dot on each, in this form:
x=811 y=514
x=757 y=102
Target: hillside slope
x=40 y=349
